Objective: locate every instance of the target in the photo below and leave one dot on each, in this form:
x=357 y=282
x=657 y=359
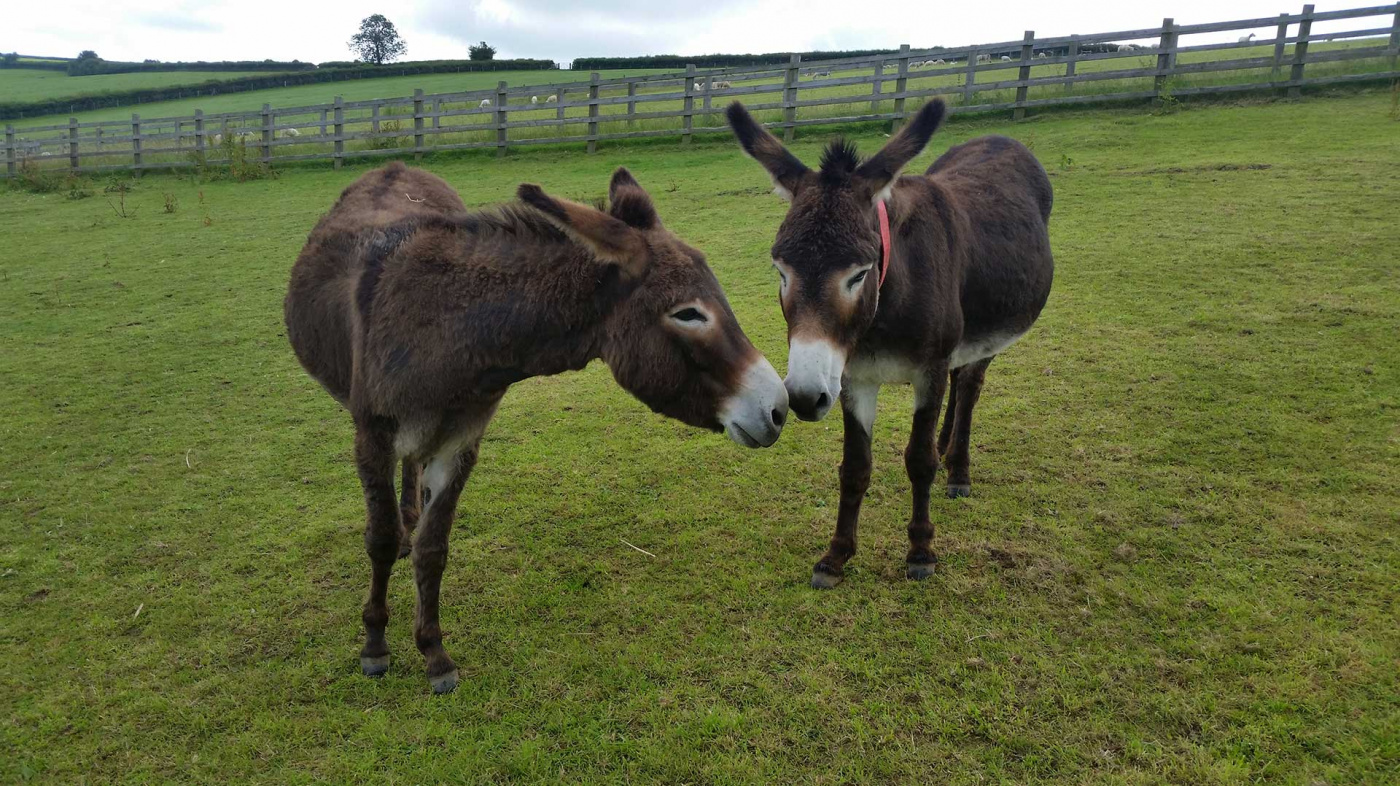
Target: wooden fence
x=1150 y=63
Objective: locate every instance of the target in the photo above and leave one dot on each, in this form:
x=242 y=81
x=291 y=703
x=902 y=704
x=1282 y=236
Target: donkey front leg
x=374 y=458
x=921 y=462
x=410 y=504
x=858 y=410
x=444 y=477
x=969 y=380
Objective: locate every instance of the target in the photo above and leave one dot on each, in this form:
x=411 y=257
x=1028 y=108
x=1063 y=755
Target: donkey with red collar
x=916 y=279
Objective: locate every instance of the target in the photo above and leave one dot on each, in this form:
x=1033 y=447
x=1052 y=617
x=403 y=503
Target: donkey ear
x=787 y=172
x=878 y=173
x=608 y=238
x=630 y=202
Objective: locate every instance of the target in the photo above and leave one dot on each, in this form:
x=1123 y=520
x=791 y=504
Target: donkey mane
x=839 y=160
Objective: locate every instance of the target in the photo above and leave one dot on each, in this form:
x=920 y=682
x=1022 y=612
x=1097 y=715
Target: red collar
x=884 y=240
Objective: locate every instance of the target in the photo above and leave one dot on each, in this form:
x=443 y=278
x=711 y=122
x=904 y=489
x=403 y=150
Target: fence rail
x=1031 y=73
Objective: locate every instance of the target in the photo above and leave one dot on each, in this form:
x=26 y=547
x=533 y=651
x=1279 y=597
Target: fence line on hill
x=544 y=113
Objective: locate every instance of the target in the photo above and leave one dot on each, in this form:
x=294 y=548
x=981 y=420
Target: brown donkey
x=903 y=279
x=417 y=315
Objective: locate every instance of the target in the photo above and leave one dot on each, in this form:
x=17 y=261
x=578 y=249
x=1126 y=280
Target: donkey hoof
x=956 y=491
x=374 y=667
x=405 y=548
x=823 y=580
x=445 y=683
x=918 y=571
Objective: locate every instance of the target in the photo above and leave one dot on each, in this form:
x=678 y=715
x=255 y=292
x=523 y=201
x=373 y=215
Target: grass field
x=22 y=84
x=1178 y=566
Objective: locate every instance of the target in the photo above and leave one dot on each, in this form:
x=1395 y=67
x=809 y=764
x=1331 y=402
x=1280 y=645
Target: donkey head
x=672 y=340
x=828 y=248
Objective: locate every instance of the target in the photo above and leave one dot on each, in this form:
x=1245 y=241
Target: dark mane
x=517 y=221
x=839 y=160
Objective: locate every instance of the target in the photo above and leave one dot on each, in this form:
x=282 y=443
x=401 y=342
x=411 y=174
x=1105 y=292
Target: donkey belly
x=975 y=348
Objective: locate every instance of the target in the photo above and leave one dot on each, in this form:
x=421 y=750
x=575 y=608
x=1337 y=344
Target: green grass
x=24 y=84
x=1214 y=383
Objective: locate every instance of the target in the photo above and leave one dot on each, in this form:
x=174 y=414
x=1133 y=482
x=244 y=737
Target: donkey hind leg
x=858 y=411
x=374 y=459
x=921 y=462
x=410 y=503
x=969 y=384
x=945 y=433
x=443 y=477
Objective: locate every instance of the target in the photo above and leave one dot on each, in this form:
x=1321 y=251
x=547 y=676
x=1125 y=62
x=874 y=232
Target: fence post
x=1300 y=53
x=323 y=122
x=10 y=151
x=73 y=143
x=136 y=143
x=593 y=112
x=1164 y=56
x=437 y=112
x=501 y=99
x=1023 y=75
x=1395 y=40
x=1280 y=38
x=1069 y=67
x=267 y=133
x=790 y=96
x=687 y=119
x=631 y=105
x=559 y=113
x=99 y=139
x=418 y=124
x=899 y=84
x=339 y=109
x=198 y=133
x=972 y=56
x=374 y=120
x=875 y=85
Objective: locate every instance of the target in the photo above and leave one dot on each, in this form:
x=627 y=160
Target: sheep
x=939 y=62
x=1244 y=39
x=1125 y=47
x=218 y=139
x=552 y=99
x=984 y=58
x=723 y=85
x=485 y=102
x=288 y=133
x=1040 y=56
x=1005 y=59
x=699 y=86
x=534 y=99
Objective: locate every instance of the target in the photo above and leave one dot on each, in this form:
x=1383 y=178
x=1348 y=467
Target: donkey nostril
x=778 y=418
x=823 y=400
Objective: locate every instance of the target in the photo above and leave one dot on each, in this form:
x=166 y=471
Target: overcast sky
x=316 y=30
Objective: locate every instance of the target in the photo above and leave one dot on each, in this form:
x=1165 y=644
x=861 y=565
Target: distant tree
x=377 y=42
x=11 y=58
x=150 y=61
x=87 y=63
x=88 y=54
x=482 y=51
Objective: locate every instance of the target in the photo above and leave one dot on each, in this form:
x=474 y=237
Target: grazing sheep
x=1040 y=56
x=699 y=85
x=218 y=139
x=485 y=102
x=722 y=85
x=534 y=99
x=1244 y=39
x=1125 y=47
x=46 y=153
x=939 y=62
x=1005 y=59
x=552 y=100
x=984 y=58
x=288 y=133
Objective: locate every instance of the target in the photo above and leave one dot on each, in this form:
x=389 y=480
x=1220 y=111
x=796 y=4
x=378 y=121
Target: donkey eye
x=690 y=315
x=854 y=281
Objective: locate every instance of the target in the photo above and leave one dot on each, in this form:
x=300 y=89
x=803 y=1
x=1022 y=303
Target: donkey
x=417 y=315
x=912 y=279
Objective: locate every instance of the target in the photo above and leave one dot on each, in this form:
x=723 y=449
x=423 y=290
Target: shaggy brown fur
x=417 y=315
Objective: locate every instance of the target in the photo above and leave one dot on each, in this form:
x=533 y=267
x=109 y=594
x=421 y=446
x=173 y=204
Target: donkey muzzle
x=754 y=415
x=814 y=377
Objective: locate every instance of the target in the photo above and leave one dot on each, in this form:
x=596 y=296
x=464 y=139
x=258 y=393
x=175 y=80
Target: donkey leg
x=444 y=477
x=410 y=504
x=921 y=462
x=969 y=390
x=858 y=410
x=945 y=434
x=374 y=458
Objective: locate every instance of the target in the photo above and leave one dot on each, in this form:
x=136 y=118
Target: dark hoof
x=445 y=683
x=918 y=571
x=955 y=492
x=374 y=667
x=823 y=580
x=405 y=548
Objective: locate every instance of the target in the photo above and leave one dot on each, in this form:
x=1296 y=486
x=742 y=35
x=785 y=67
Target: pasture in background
x=1164 y=64
x=1179 y=565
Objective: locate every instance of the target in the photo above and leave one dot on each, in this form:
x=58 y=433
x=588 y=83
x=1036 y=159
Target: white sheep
x=1040 y=56
x=939 y=62
x=485 y=102
x=218 y=139
x=984 y=58
x=552 y=99
x=534 y=99
x=1125 y=47
x=288 y=133
x=699 y=86
x=1244 y=39
x=723 y=85
x=1005 y=59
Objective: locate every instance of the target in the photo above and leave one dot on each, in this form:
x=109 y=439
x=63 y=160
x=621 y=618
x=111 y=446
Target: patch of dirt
x=1176 y=170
